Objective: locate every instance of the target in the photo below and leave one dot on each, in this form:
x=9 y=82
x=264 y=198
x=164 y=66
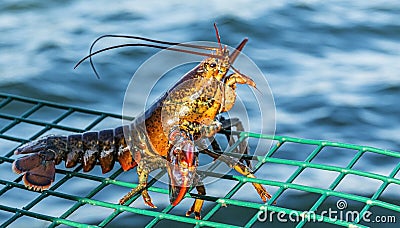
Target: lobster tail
x=38 y=170
x=89 y=149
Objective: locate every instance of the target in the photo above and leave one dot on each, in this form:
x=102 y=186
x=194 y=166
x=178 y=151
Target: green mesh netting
x=302 y=174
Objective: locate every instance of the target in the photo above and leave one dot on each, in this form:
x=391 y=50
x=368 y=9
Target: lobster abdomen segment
x=108 y=150
x=89 y=149
x=75 y=150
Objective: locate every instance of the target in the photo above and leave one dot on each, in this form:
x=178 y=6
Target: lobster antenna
x=143 y=45
x=150 y=40
x=138 y=38
x=237 y=51
x=218 y=37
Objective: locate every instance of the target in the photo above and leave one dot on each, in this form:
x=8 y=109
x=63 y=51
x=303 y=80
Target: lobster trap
x=307 y=178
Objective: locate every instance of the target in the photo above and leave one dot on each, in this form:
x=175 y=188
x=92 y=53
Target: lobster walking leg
x=147 y=199
x=198 y=203
x=242 y=169
x=225 y=128
x=227 y=125
x=146 y=166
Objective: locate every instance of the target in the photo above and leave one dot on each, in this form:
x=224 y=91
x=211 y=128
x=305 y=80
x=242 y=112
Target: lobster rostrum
x=169 y=134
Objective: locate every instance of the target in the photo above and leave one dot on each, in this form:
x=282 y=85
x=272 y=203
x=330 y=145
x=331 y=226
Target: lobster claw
x=181 y=166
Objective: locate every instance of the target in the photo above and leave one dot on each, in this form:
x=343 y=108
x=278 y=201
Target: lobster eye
x=213 y=65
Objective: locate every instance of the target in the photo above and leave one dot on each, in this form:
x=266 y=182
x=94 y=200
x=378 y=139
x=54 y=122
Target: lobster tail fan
x=38 y=170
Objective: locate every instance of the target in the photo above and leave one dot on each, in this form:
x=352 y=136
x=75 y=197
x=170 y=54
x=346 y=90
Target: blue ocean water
x=333 y=66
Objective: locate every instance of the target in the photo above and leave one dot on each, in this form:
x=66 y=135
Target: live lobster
x=148 y=142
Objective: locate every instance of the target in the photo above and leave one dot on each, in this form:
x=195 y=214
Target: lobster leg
x=147 y=199
x=198 y=203
x=146 y=166
x=227 y=124
x=242 y=169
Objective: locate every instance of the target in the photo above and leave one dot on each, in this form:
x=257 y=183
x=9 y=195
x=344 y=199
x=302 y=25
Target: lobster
x=192 y=108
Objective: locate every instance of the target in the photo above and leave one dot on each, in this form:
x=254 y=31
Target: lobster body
x=163 y=136
x=146 y=135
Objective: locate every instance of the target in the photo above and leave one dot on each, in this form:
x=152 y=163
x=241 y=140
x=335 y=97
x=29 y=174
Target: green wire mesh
x=315 y=171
